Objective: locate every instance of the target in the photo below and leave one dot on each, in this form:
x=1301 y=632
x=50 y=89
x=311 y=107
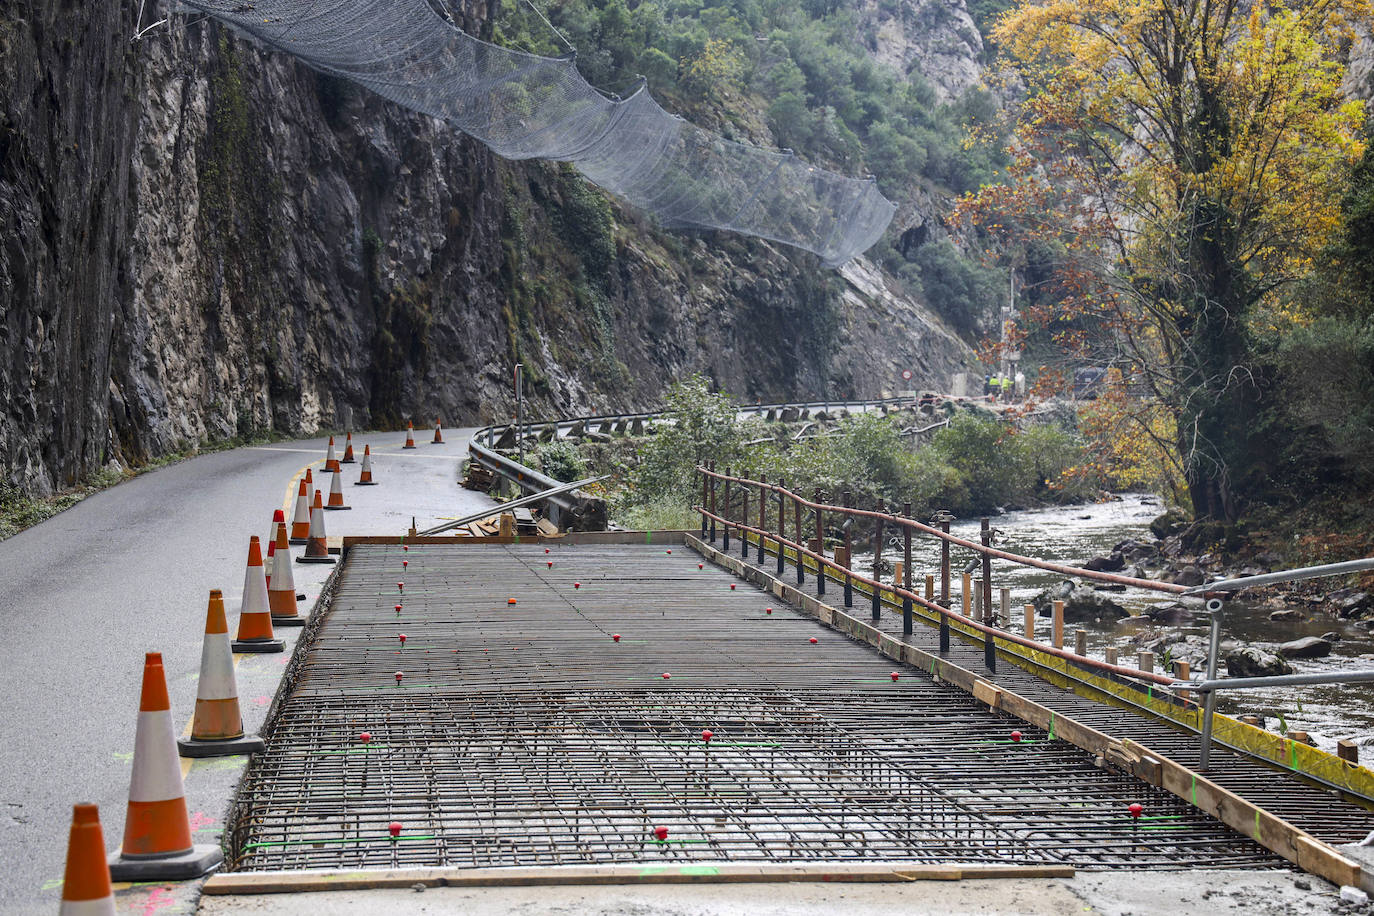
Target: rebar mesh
x=524 y=735
x=525 y=106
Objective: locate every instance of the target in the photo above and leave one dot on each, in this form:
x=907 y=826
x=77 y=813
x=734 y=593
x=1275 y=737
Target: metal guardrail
x=574 y=511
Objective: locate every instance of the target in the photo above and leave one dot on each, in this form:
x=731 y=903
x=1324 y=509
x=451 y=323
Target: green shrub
x=561 y=460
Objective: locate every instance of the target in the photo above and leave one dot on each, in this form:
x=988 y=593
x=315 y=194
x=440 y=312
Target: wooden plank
x=282 y=882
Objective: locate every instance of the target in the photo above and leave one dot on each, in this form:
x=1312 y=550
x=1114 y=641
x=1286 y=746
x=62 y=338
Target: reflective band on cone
x=300 y=521
x=438 y=435
x=331 y=463
x=348 y=450
x=255 y=620
x=317 y=548
x=410 y=435
x=217 y=728
x=365 y=478
x=86 y=887
x=157 y=832
x=281 y=593
x=336 y=493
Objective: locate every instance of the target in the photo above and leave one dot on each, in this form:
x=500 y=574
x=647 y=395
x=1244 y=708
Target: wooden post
x=705 y=499
x=944 y=560
x=898 y=570
x=1112 y=655
x=713 y=503
x=725 y=514
x=848 y=579
x=1005 y=595
x=1146 y=661
x=1057 y=639
x=782 y=526
x=1080 y=642
x=1348 y=751
x=801 y=542
x=820 y=546
x=1182 y=671
x=985 y=592
x=1029 y=611
x=966 y=596
x=930 y=588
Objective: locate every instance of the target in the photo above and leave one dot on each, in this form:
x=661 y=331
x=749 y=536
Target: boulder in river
x=1189 y=576
x=1081 y=603
x=1251 y=661
x=1351 y=602
x=1172 y=614
x=1286 y=614
x=1171 y=522
x=1112 y=562
x=1307 y=647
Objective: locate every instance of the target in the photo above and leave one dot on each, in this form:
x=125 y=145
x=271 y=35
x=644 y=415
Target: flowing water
x=1073 y=534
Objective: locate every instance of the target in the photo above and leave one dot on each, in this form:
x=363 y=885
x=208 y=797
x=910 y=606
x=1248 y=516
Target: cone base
x=365 y=483
x=201 y=860
x=335 y=508
x=295 y=621
x=407 y=446
x=348 y=461
x=300 y=596
x=317 y=559
x=230 y=747
x=257 y=645
x=298 y=541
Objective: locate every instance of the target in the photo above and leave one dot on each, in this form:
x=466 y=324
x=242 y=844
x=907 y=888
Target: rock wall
x=200 y=239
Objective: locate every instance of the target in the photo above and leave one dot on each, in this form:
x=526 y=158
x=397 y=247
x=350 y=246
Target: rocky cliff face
x=935 y=39
x=199 y=239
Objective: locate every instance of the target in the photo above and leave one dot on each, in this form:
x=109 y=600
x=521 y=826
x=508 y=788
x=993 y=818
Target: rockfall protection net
x=525 y=106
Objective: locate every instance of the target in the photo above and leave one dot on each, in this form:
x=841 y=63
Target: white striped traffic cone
x=410 y=435
x=348 y=450
x=336 y=500
x=217 y=728
x=157 y=831
x=317 y=549
x=331 y=463
x=438 y=434
x=281 y=591
x=300 y=520
x=86 y=887
x=365 y=478
x=255 y=619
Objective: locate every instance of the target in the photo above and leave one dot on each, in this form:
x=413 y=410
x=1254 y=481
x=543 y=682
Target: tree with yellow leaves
x=1184 y=159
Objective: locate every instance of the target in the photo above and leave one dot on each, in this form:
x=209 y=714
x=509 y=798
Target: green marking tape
x=1292 y=753
x=698 y=870
x=1051 y=731
x=1194 y=790
x=1257 y=824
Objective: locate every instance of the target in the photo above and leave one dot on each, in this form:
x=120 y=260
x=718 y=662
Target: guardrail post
x=725 y=514
x=705 y=499
x=906 y=571
x=763 y=513
x=782 y=526
x=1112 y=655
x=848 y=552
x=712 y=466
x=1209 y=703
x=820 y=547
x=1080 y=642
x=1057 y=625
x=877 y=560
x=1028 y=612
x=744 y=521
x=801 y=541
x=943 y=518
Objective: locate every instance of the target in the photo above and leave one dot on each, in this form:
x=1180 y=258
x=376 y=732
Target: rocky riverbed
x=1319 y=629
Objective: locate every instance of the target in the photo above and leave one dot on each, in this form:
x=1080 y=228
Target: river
x=1073 y=534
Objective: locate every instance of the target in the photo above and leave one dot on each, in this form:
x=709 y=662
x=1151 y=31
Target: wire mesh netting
x=525 y=106
x=529 y=734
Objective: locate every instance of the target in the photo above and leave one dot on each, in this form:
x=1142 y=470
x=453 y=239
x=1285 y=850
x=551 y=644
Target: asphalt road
x=85 y=594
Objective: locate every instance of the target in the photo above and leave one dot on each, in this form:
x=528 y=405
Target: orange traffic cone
x=336 y=493
x=410 y=435
x=316 y=550
x=365 y=478
x=281 y=600
x=331 y=463
x=348 y=450
x=300 y=520
x=438 y=434
x=157 y=832
x=217 y=728
x=86 y=887
x=255 y=620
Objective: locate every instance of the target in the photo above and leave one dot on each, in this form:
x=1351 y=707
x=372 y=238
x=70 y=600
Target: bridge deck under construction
x=525 y=734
